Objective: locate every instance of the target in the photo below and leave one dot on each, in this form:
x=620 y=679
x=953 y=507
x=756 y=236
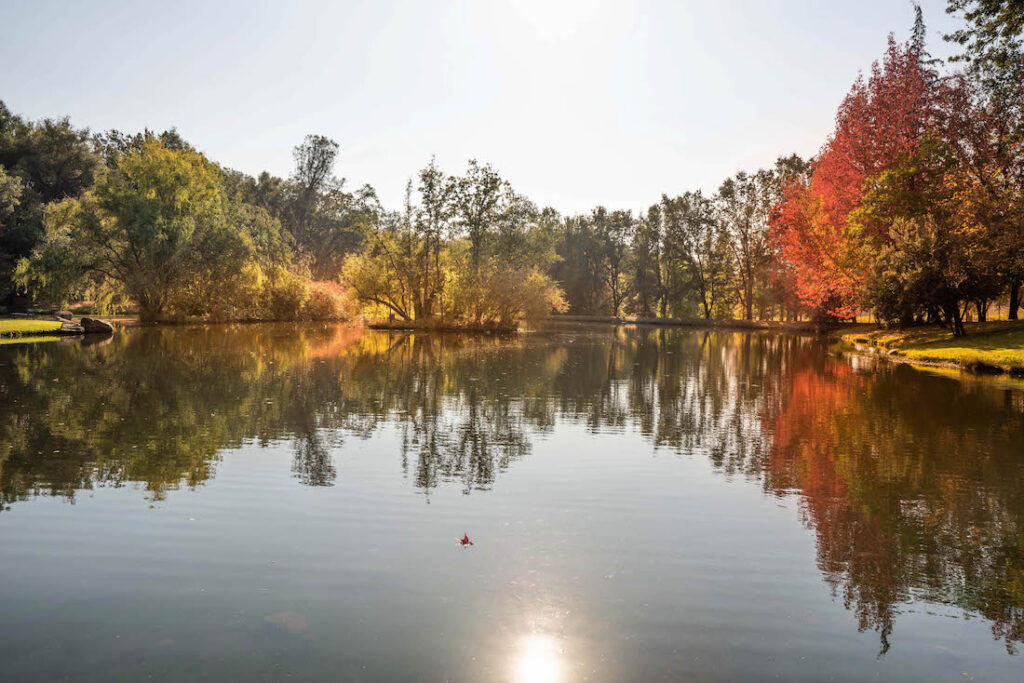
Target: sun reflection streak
x=538 y=660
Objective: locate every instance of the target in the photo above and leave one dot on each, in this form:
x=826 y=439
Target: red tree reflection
x=911 y=494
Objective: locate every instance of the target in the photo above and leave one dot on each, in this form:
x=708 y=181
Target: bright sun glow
x=538 y=661
x=558 y=20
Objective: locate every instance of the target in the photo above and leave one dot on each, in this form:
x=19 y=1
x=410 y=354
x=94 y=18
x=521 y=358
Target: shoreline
x=797 y=327
x=991 y=348
x=42 y=325
x=428 y=327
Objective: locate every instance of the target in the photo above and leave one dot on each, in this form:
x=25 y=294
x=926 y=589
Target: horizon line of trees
x=913 y=212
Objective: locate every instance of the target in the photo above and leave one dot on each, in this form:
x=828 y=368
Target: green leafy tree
x=114 y=144
x=432 y=222
x=479 y=201
x=993 y=42
x=646 y=259
x=155 y=226
x=423 y=264
x=10 y=195
x=615 y=232
x=986 y=112
x=699 y=250
x=395 y=267
x=743 y=213
x=314 y=167
x=51 y=160
x=745 y=205
x=580 y=266
x=935 y=254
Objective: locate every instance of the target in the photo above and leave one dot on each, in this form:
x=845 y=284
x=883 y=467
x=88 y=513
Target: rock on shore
x=69 y=327
x=96 y=326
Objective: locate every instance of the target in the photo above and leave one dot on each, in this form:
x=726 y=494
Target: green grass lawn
x=999 y=344
x=19 y=326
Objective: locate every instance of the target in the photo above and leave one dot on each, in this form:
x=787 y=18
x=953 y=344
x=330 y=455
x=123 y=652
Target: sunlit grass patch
x=18 y=326
x=997 y=344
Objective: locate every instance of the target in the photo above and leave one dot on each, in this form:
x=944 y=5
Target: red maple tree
x=880 y=120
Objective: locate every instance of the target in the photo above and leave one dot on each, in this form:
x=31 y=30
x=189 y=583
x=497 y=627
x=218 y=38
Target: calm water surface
x=261 y=503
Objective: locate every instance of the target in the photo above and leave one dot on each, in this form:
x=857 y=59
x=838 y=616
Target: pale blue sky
x=577 y=103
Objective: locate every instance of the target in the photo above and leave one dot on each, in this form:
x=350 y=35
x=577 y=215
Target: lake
x=262 y=502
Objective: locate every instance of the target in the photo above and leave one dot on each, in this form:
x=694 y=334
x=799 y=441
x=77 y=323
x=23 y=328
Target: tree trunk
x=749 y=303
x=982 y=307
x=957 y=321
x=1014 y=299
x=645 y=308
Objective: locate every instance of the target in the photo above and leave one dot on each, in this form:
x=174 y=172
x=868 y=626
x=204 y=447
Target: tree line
x=912 y=211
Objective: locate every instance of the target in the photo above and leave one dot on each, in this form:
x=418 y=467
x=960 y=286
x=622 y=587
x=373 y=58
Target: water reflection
x=913 y=485
x=538 y=660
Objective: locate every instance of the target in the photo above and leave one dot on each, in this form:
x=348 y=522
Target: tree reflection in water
x=912 y=484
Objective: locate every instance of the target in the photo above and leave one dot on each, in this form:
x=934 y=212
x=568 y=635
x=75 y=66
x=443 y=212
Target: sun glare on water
x=538 y=661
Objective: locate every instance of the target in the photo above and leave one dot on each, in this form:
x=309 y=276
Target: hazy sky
x=577 y=103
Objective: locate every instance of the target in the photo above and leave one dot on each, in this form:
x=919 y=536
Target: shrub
x=285 y=294
x=326 y=302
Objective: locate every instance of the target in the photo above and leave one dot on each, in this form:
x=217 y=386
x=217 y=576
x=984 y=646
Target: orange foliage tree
x=881 y=120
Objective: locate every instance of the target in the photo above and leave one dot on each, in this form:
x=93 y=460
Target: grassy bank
x=992 y=346
x=16 y=327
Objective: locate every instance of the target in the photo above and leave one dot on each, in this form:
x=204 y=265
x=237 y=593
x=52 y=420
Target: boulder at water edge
x=96 y=326
x=63 y=315
x=68 y=327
